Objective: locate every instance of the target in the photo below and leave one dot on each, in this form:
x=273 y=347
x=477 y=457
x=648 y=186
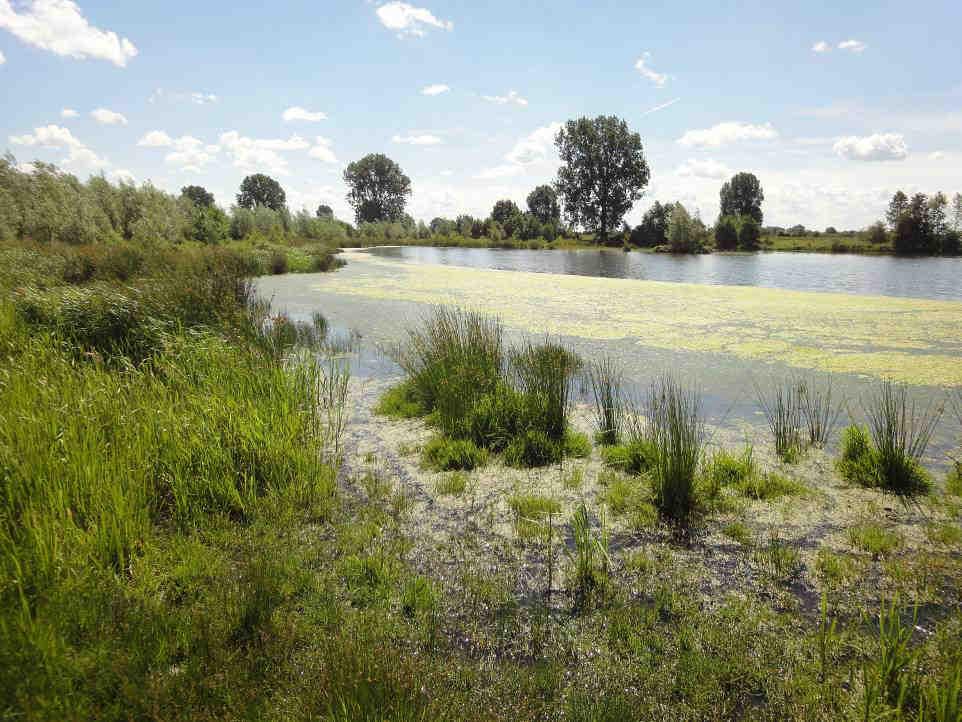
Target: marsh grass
x=454 y=484
x=606 y=383
x=531 y=512
x=589 y=562
x=820 y=409
x=889 y=453
x=677 y=437
x=874 y=538
x=444 y=454
x=782 y=406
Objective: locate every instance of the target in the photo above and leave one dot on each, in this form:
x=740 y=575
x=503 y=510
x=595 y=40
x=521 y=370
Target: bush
x=444 y=454
x=749 y=234
x=278 y=263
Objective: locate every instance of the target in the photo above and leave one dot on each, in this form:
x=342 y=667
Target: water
x=935 y=278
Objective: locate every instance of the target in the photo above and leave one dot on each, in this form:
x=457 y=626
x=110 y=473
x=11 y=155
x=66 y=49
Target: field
x=204 y=516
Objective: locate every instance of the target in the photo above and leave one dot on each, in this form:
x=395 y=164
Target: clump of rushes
x=589 y=561
x=446 y=454
x=677 y=436
x=606 y=382
x=783 y=411
x=820 y=410
x=544 y=373
x=888 y=454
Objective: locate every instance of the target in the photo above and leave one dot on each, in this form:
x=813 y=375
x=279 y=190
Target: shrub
x=676 y=436
x=278 y=263
x=446 y=454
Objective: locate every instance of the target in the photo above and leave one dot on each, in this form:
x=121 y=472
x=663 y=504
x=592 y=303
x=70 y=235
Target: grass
x=676 y=437
x=444 y=454
x=888 y=454
x=782 y=407
x=820 y=410
x=531 y=512
x=454 y=484
x=739 y=532
x=875 y=539
x=606 y=383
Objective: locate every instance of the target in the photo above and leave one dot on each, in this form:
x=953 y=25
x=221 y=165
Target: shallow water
x=936 y=278
x=726 y=340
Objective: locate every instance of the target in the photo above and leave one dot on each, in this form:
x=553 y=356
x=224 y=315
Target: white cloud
x=59 y=26
x=853 y=46
x=298 y=113
x=203 y=98
x=58 y=137
x=727 y=133
x=322 y=150
x=641 y=65
x=821 y=47
x=937 y=155
x=693 y=168
x=187 y=152
x=423 y=139
x=880 y=146
x=534 y=148
x=435 y=89
x=196 y=97
x=3 y=58
x=260 y=153
x=661 y=107
x=408 y=20
x=108 y=117
x=447 y=173
x=511 y=97
x=68 y=113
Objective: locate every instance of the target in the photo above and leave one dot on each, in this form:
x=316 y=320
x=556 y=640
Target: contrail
x=660 y=107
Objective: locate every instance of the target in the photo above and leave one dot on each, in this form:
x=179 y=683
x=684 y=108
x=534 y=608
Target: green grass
x=875 y=539
x=454 y=484
x=739 y=532
x=444 y=454
x=398 y=403
x=531 y=512
x=676 y=438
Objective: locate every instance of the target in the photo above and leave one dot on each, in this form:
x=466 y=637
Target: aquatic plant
x=677 y=436
x=606 y=383
x=820 y=409
x=782 y=407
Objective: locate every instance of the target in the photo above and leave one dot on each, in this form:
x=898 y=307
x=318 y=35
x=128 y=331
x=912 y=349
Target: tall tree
x=378 y=189
x=603 y=172
x=653 y=229
x=261 y=190
x=543 y=204
x=507 y=215
x=198 y=195
x=742 y=196
x=897 y=208
x=957 y=212
x=913 y=230
x=325 y=211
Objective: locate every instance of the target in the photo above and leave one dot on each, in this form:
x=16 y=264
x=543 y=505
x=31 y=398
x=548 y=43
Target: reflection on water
x=937 y=278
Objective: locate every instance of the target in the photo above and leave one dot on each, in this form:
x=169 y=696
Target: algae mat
x=915 y=341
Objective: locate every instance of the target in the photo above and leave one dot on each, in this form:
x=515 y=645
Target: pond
x=726 y=340
x=938 y=278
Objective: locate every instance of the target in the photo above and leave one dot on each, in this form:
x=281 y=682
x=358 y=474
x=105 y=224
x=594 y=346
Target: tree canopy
x=378 y=189
x=198 y=195
x=603 y=172
x=742 y=196
x=325 y=211
x=261 y=190
x=543 y=204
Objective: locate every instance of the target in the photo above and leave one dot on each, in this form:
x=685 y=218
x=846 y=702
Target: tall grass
x=606 y=382
x=677 y=436
x=820 y=410
x=901 y=432
x=783 y=407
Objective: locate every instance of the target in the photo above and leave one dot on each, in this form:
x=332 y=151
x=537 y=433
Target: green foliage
x=653 y=229
x=377 y=189
x=446 y=454
x=635 y=457
x=261 y=191
x=676 y=437
x=398 y=402
x=198 y=195
x=685 y=233
x=603 y=172
x=606 y=383
x=543 y=205
x=782 y=407
x=726 y=233
x=742 y=196
x=451 y=484
x=749 y=234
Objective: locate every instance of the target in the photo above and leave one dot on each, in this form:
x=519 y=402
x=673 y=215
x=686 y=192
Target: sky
x=834 y=106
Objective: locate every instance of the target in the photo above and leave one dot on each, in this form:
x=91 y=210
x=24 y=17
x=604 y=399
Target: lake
x=938 y=278
x=725 y=339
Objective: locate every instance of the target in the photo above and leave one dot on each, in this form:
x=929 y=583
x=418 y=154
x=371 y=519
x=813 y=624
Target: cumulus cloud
x=693 y=168
x=821 y=47
x=196 y=97
x=186 y=152
x=879 y=146
x=59 y=27
x=726 y=134
x=408 y=20
x=58 y=137
x=641 y=65
x=511 y=98
x=435 y=89
x=107 y=117
x=422 y=139
x=298 y=113
x=662 y=106
x=68 y=113
x=260 y=153
x=203 y=98
x=853 y=46
x=322 y=150
x=530 y=150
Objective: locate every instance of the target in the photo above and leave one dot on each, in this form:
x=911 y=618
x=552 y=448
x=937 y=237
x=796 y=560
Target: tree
x=198 y=195
x=543 y=204
x=507 y=215
x=831 y=231
x=378 y=189
x=325 y=211
x=260 y=190
x=876 y=233
x=749 y=233
x=653 y=229
x=957 y=212
x=898 y=206
x=686 y=234
x=938 y=222
x=913 y=232
x=742 y=196
x=726 y=233
x=603 y=172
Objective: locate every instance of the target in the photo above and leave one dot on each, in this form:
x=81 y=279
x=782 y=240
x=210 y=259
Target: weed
x=589 y=561
x=398 y=402
x=820 y=410
x=780 y=560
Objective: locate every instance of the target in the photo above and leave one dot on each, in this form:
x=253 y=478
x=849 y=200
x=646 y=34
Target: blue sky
x=833 y=108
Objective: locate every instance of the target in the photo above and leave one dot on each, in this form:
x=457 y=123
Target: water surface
x=936 y=278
